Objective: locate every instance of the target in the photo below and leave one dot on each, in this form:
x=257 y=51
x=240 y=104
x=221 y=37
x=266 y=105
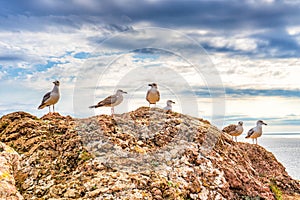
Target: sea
x=286 y=148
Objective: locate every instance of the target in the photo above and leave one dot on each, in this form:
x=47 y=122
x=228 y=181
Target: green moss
x=171 y=184
x=154 y=163
x=276 y=191
x=84 y=156
x=94 y=187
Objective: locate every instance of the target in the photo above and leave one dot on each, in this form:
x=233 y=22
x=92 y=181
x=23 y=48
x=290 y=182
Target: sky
x=225 y=61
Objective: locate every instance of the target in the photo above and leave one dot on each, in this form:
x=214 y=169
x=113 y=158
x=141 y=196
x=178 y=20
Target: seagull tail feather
x=95 y=106
x=41 y=106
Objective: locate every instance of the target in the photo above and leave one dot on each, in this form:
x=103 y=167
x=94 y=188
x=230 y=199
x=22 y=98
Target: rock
x=156 y=192
x=96 y=192
x=71 y=193
x=9 y=163
x=143 y=154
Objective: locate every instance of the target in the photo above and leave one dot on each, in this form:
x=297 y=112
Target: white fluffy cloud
x=243 y=72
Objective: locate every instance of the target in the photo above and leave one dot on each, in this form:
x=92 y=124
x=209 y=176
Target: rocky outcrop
x=9 y=162
x=144 y=154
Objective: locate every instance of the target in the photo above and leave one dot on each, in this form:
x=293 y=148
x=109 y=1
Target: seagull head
x=170 y=102
x=240 y=123
x=260 y=122
x=119 y=91
x=56 y=83
x=153 y=85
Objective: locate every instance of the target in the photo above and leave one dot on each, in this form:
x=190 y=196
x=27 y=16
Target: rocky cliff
x=144 y=154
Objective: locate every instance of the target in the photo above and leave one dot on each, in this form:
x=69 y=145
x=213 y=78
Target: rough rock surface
x=9 y=162
x=144 y=154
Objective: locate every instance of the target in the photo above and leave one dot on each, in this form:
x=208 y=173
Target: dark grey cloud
x=206 y=14
x=4 y=58
x=271 y=121
x=288 y=122
x=246 y=118
x=262 y=92
x=223 y=18
x=242 y=93
x=218 y=15
x=278 y=39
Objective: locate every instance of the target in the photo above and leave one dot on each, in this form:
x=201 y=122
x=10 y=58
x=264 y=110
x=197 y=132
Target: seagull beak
x=124 y=92
x=265 y=123
x=173 y=102
x=150 y=84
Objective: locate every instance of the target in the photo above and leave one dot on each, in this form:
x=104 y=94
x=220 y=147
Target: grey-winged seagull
x=169 y=105
x=234 y=130
x=111 y=101
x=153 y=95
x=256 y=132
x=51 y=98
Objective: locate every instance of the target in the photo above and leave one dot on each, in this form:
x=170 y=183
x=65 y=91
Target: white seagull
x=169 y=105
x=51 y=98
x=111 y=101
x=234 y=130
x=256 y=132
x=153 y=95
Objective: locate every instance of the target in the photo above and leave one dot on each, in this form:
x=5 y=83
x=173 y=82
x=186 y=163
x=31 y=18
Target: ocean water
x=286 y=148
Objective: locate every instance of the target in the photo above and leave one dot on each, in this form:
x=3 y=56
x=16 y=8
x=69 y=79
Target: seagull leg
x=112 y=111
x=49 y=109
x=53 y=109
x=235 y=138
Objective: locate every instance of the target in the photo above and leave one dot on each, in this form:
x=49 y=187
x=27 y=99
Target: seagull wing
x=250 y=132
x=229 y=128
x=108 y=101
x=147 y=96
x=45 y=98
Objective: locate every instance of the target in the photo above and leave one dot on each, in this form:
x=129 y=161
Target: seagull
x=51 y=98
x=153 y=95
x=234 y=130
x=169 y=105
x=111 y=101
x=256 y=132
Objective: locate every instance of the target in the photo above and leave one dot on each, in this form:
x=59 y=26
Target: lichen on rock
x=9 y=163
x=143 y=154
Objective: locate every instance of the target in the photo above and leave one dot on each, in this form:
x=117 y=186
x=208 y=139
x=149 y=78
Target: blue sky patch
x=82 y=55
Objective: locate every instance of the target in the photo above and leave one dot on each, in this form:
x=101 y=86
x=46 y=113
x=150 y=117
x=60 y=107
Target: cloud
x=253 y=45
x=231 y=92
x=244 y=72
x=204 y=92
x=273 y=121
x=5 y=58
x=268 y=24
x=209 y=14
